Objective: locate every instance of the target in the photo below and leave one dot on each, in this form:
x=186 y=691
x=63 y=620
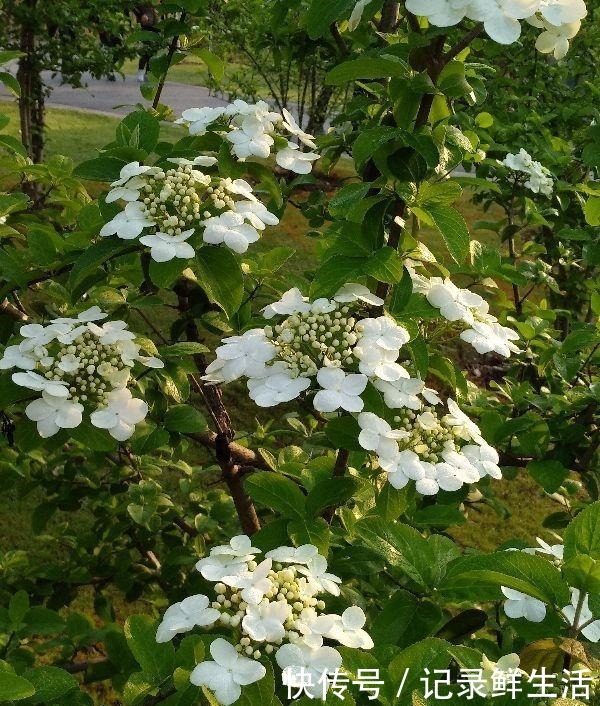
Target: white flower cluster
x=560 y=19
x=79 y=366
x=577 y=614
x=326 y=340
x=438 y=452
x=255 y=131
x=272 y=607
x=174 y=203
x=539 y=179
x=483 y=331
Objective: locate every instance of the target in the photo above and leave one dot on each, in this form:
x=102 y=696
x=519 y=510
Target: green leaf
x=453 y=229
x=331 y=492
x=11 y=83
x=42 y=621
x=277 y=492
x=369 y=141
x=307 y=531
x=579 y=339
x=139 y=129
x=184 y=419
x=482 y=576
x=214 y=64
x=401 y=293
x=156 y=660
x=100 y=169
x=14 y=687
x=582 y=536
x=591 y=211
x=335 y=272
x=343 y=433
x=18 y=607
x=404 y=619
x=549 y=474
x=346 y=197
x=50 y=683
x=386 y=265
x=220 y=276
x=409 y=666
x=178 y=350
x=90 y=261
x=320 y=15
x=367 y=67
x=583 y=573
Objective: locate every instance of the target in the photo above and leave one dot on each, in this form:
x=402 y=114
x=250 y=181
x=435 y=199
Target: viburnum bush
x=271 y=462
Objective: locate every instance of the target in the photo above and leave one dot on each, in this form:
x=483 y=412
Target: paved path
x=117 y=97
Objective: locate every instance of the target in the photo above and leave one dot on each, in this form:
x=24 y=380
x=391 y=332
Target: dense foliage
x=394 y=387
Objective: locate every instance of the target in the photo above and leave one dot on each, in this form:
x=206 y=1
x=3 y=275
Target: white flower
x=54 y=413
x=520 y=605
x=441 y=13
x=352 y=292
x=339 y=391
x=227 y=673
x=484 y=458
x=112 y=332
x=378 y=436
x=431 y=396
x=129 y=223
x=302 y=664
x=128 y=192
x=555 y=40
x=290 y=124
x=559 y=12
x=37 y=336
x=313 y=627
x=464 y=427
x=276 y=386
x=198 y=119
x=14 y=357
x=318 y=577
x=401 y=393
x=35 y=381
x=455 y=471
x=293 y=555
x=265 y=622
x=241 y=355
x=256 y=213
x=592 y=630
x=348 y=630
x=182 y=617
x=240 y=187
x=228 y=559
x=291 y=302
x=454 y=304
x=428 y=485
x=164 y=247
x=554 y=550
x=485 y=337
x=200 y=161
x=491 y=672
x=250 y=140
x=402 y=468
x=94 y=313
x=254 y=584
x=294 y=160
x=383 y=333
x=121 y=414
x=130 y=171
x=229 y=228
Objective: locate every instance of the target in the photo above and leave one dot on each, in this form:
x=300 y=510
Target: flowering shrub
x=343 y=395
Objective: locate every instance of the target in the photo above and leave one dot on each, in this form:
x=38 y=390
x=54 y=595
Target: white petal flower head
x=289 y=123
x=464 y=427
x=402 y=468
x=112 y=332
x=14 y=357
x=291 y=302
x=250 y=140
x=35 y=381
x=401 y=393
x=121 y=414
x=256 y=213
x=591 y=631
x=486 y=337
x=265 y=622
x=52 y=414
x=348 y=630
x=228 y=560
x=292 y=159
x=441 y=13
x=454 y=304
x=378 y=436
x=562 y=12
x=227 y=673
x=229 y=229
x=520 y=605
x=484 y=458
x=294 y=555
x=491 y=672
x=254 y=584
x=554 y=550
x=182 y=617
x=383 y=333
x=164 y=247
x=241 y=355
x=200 y=161
x=317 y=575
x=301 y=663
x=128 y=192
x=129 y=223
x=198 y=119
x=314 y=627
x=352 y=291
x=130 y=171
x=276 y=386
x=428 y=485
x=340 y=391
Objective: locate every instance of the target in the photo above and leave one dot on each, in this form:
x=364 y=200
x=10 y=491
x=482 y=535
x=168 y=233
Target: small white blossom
x=348 y=629
x=484 y=458
x=241 y=355
x=129 y=223
x=292 y=159
x=291 y=302
x=591 y=631
x=276 y=386
x=198 y=119
x=54 y=413
x=256 y=213
x=290 y=124
x=318 y=577
x=230 y=229
x=165 y=247
x=265 y=622
x=520 y=605
x=378 y=436
x=352 y=292
x=300 y=664
x=340 y=391
x=35 y=381
x=182 y=617
x=121 y=414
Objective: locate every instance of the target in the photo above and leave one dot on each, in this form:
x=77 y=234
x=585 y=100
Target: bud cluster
x=429 y=434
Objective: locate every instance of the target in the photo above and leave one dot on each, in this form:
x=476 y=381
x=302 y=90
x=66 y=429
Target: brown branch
x=454 y=51
x=170 y=54
x=389 y=17
x=240 y=454
x=338 y=39
x=11 y=310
